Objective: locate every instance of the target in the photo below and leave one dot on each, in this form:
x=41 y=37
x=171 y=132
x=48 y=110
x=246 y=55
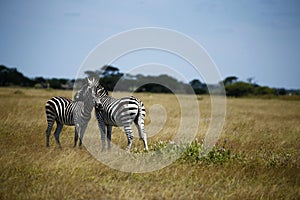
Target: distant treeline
x=12 y=77
x=113 y=79
x=237 y=88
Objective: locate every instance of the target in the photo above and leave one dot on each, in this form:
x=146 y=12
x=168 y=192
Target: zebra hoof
x=146 y=150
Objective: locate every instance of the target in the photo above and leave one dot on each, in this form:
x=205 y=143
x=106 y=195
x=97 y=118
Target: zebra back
x=117 y=112
x=60 y=109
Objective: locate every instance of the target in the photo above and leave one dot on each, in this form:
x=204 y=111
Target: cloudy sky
x=245 y=38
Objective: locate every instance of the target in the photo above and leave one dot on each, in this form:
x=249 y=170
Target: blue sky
x=245 y=38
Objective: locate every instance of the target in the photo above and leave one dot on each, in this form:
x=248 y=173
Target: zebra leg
x=109 y=129
x=57 y=132
x=129 y=134
x=75 y=136
x=48 y=131
x=142 y=134
x=82 y=130
x=102 y=132
x=140 y=124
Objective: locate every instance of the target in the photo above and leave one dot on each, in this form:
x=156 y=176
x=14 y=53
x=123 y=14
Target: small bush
x=197 y=152
x=219 y=154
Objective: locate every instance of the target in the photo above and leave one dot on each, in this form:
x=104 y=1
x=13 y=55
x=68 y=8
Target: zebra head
x=87 y=91
x=100 y=93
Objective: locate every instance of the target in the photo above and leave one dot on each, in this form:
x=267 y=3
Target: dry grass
x=264 y=132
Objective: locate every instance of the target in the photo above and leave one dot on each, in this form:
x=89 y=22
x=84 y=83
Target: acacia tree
x=230 y=80
x=198 y=86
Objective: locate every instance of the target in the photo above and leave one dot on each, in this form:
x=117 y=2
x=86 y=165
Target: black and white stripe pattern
x=119 y=112
x=72 y=113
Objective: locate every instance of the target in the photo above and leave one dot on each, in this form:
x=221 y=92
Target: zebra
x=122 y=112
x=72 y=113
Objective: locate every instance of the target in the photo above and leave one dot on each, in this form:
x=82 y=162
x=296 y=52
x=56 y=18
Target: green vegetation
x=110 y=76
x=257 y=156
x=237 y=88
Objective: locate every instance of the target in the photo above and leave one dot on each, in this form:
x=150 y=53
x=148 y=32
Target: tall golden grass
x=264 y=132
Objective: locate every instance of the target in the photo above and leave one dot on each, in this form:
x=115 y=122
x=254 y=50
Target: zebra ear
x=90 y=80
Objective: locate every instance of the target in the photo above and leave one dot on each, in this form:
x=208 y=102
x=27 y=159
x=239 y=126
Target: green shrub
x=196 y=152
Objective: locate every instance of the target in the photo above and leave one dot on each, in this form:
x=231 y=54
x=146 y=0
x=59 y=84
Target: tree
x=40 y=82
x=281 y=91
x=230 y=80
x=239 y=89
x=55 y=83
x=198 y=87
x=108 y=70
x=162 y=83
x=264 y=90
x=155 y=88
x=250 y=80
x=11 y=76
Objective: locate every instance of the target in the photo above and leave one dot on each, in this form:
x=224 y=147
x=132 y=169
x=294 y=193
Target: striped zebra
x=119 y=112
x=72 y=113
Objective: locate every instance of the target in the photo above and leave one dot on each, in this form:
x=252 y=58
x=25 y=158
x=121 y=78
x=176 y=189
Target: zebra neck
x=104 y=98
x=88 y=106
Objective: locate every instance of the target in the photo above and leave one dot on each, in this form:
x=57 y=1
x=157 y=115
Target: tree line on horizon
x=112 y=79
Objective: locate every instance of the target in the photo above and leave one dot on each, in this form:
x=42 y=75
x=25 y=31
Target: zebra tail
x=142 y=111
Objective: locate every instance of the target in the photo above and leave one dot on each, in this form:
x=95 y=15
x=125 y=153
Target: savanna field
x=256 y=157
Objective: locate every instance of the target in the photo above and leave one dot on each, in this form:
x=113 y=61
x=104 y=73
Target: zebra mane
x=102 y=89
